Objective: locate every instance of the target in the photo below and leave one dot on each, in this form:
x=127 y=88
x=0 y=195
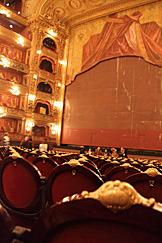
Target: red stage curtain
x=124 y=38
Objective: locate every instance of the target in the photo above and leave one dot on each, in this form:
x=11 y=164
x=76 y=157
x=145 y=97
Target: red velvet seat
x=120 y=173
x=108 y=167
x=31 y=156
x=91 y=166
x=45 y=165
x=58 y=159
x=20 y=185
x=66 y=180
x=80 y=220
x=146 y=185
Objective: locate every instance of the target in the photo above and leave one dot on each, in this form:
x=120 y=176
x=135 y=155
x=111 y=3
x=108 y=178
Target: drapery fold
x=124 y=38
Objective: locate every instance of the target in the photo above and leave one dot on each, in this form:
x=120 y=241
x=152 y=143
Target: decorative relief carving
x=30 y=105
x=43 y=96
x=8 y=85
x=13 y=15
x=55 y=111
x=96 y=1
x=75 y=4
x=152 y=172
x=60 y=12
x=15 y=113
x=18 y=66
x=11 y=36
x=73 y=163
x=46 y=75
x=32 y=85
x=43 y=118
x=117 y=196
x=50 y=53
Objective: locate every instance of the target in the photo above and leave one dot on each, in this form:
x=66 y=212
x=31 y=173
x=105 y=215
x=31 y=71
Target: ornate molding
x=73 y=163
x=118 y=196
x=44 y=119
x=109 y=7
x=11 y=37
x=49 y=53
x=68 y=13
x=44 y=96
x=18 y=66
x=7 y=85
x=46 y=75
x=15 y=113
x=152 y=172
x=16 y=17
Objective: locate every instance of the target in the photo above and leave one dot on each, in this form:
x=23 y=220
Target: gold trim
x=74 y=163
x=152 y=172
x=118 y=196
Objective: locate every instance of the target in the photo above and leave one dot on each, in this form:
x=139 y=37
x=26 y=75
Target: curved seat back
x=45 y=165
x=31 y=156
x=66 y=180
x=20 y=185
x=104 y=217
x=146 y=185
x=120 y=173
x=58 y=159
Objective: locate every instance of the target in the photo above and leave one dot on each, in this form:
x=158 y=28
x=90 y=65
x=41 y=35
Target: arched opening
x=39 y=131
x=44 y=87
x=46 y=65
x=49 y=43
x=42 y=108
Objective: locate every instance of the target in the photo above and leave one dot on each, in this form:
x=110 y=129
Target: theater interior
x=80 y=121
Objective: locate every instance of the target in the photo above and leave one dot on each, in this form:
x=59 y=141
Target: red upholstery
x=146 y=185
x=30 y=156
x=66 y=180
x=20 y=185
x=120 y=173
x=58 y=159
x=108 y=166
x=45 y=165
x=91 y=166
x=86 y=220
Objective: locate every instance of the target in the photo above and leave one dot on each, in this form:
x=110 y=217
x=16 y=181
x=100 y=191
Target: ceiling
x=73 y=12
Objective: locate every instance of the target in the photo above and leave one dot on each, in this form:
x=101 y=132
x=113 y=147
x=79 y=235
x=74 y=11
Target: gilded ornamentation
x=43 y=118
x=15 y=113
x=75 y=4
x=59 y=12
x=96 y=1
x=13 y=36
x=55 y=110
x=152 y=172
x=74 y=163
x=126 y=165
x=43 y=156
x=117 y=196
x=46 y=75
